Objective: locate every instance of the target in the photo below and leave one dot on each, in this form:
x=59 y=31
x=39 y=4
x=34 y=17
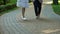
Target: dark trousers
x=37 y=7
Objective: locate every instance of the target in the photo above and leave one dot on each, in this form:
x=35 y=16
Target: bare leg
x=23 y=12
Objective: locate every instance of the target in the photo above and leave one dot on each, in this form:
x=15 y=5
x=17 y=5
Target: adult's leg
x=35 y=8
x=39 y=8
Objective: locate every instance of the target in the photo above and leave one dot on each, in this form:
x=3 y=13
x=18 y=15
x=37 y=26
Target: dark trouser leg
x=39 y=9
x=35 y=7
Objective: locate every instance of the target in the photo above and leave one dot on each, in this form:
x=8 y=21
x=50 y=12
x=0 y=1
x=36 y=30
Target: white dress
x=23 y=3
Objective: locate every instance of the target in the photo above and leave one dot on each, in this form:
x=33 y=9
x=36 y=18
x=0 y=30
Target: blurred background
x=7 y=5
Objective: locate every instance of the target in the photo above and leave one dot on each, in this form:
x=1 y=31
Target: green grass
x=56 y=8
x=13 y=1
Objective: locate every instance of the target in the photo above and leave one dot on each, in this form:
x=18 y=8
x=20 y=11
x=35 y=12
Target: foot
x=23 y=18
x=37 y=17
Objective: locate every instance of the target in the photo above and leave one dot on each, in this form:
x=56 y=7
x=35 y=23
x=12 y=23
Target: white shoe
x=23 y=18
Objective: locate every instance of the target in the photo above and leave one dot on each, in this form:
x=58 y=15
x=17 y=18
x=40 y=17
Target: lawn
x=56 y=8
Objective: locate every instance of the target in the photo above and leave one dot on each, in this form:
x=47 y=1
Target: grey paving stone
x=12 y=24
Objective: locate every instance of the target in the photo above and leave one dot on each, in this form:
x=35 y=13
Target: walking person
x=37 y=7
x=24 y=4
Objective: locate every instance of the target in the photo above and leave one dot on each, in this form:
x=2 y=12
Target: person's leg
x=35 y=8
x=23 y=12
x=39 y=9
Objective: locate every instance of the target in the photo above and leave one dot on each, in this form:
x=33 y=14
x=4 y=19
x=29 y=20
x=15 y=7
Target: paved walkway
x=11 y=23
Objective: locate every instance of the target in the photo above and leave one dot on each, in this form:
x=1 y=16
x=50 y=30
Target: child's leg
x=23 y=12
